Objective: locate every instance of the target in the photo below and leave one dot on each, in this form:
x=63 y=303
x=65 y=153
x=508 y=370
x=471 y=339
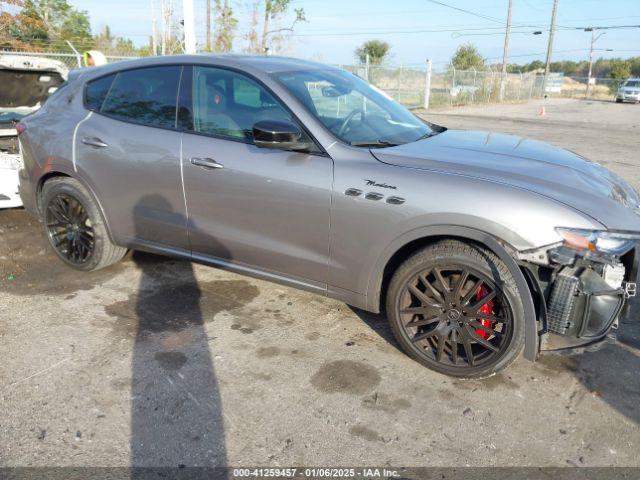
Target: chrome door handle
x=206 y=162
x=94 y=142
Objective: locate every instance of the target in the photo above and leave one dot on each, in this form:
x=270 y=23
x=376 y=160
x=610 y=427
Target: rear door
x=261 y=208
x=129 y=149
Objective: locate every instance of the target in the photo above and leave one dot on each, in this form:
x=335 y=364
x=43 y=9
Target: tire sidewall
x=503 y=283
x=71 y=187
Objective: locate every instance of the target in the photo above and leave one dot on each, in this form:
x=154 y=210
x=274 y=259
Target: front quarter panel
x=362 y=230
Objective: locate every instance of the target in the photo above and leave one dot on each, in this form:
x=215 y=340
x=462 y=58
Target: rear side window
x=147 y=96
x=96 y=92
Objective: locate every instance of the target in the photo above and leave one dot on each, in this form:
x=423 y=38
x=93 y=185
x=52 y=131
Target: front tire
x=74 y=226
x=455 y=308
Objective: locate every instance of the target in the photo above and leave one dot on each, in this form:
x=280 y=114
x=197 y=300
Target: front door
x=130 y=148
x=258 y=208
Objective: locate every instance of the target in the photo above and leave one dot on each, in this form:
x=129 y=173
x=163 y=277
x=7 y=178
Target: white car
x=26 y=84
x=629 y=91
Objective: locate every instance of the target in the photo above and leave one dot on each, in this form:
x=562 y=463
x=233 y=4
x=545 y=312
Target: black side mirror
x=278 y=134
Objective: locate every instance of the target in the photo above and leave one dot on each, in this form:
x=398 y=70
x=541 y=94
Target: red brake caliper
x=487 y=309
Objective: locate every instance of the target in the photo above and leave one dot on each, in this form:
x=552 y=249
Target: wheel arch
x=410 y=242
x=40 y=186
x=61 y=173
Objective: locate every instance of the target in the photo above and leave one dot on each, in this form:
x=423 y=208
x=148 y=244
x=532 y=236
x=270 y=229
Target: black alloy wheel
x=455 y=308
x=456 y=315
x=69 y=229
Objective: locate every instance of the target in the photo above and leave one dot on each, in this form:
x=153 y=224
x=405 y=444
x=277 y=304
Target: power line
x=469 y=12
x=500 y=31
x=574 y=50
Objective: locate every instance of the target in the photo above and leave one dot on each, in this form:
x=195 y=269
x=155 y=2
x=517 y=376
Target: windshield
x=632 y=83
x=354 y=111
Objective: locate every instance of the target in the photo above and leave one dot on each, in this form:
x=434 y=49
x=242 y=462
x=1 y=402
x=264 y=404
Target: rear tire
x=455 y=308
x=74 y=226
x=618 y=100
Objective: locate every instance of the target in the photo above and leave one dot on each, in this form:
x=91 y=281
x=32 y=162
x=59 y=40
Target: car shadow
x=176 y=409
x=611 y=372
x=379 y=324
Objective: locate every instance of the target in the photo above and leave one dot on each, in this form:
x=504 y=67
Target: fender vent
x=563 y=296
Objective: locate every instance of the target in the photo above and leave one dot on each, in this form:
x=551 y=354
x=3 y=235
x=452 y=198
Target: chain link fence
x=71 y=60
x=446 y=87
x=451 y=87
x=599 y=89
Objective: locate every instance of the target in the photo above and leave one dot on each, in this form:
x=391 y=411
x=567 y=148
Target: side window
x=96 y=91
x=248 y=94
x=147 y=96
x=229 y=104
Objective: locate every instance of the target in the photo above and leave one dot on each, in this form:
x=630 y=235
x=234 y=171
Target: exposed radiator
x=563 y=297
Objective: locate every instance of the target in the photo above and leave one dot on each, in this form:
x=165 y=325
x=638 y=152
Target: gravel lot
x=160 y=362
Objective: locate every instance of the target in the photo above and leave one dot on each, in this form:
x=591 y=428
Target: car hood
x=528 y=164
x=28 y=81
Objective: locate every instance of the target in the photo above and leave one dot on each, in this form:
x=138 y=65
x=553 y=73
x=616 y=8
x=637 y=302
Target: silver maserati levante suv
x=478 y=246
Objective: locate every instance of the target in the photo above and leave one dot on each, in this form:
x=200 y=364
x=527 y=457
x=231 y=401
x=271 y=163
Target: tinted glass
x=228 y=104
x=353 y=110
x=185 y=114
x=147 y=96
x=96 y=92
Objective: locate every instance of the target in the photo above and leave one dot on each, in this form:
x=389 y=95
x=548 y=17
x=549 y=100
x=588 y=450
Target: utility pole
x=154 y=33
x=427 y=85
x=594 y=39
x=189 y=27
x=505 y=54
x=552 y=31
x=208 y=25
x=163 y=14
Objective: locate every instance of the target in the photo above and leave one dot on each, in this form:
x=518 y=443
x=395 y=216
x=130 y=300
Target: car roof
x=269 y=64
x=254 y=63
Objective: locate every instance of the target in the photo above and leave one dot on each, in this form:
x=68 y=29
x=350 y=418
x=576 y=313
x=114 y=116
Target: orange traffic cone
x=543 y=112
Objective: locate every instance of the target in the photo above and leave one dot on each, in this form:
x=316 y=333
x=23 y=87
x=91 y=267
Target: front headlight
x=603 y=241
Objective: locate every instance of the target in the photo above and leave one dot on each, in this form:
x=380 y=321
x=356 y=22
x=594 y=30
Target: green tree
x=104 y=41
x=467 y=57
x=635 y=66
x=109 y=44
x=527 y=67
x=620 y=69
x=273 y=11
x=377 y=50
x=19 y=30
x=225 y=26
x=535 y=65
x=602 y=67
x=50 y=23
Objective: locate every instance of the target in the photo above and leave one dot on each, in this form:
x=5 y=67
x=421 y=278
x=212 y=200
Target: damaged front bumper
x=581 y=295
